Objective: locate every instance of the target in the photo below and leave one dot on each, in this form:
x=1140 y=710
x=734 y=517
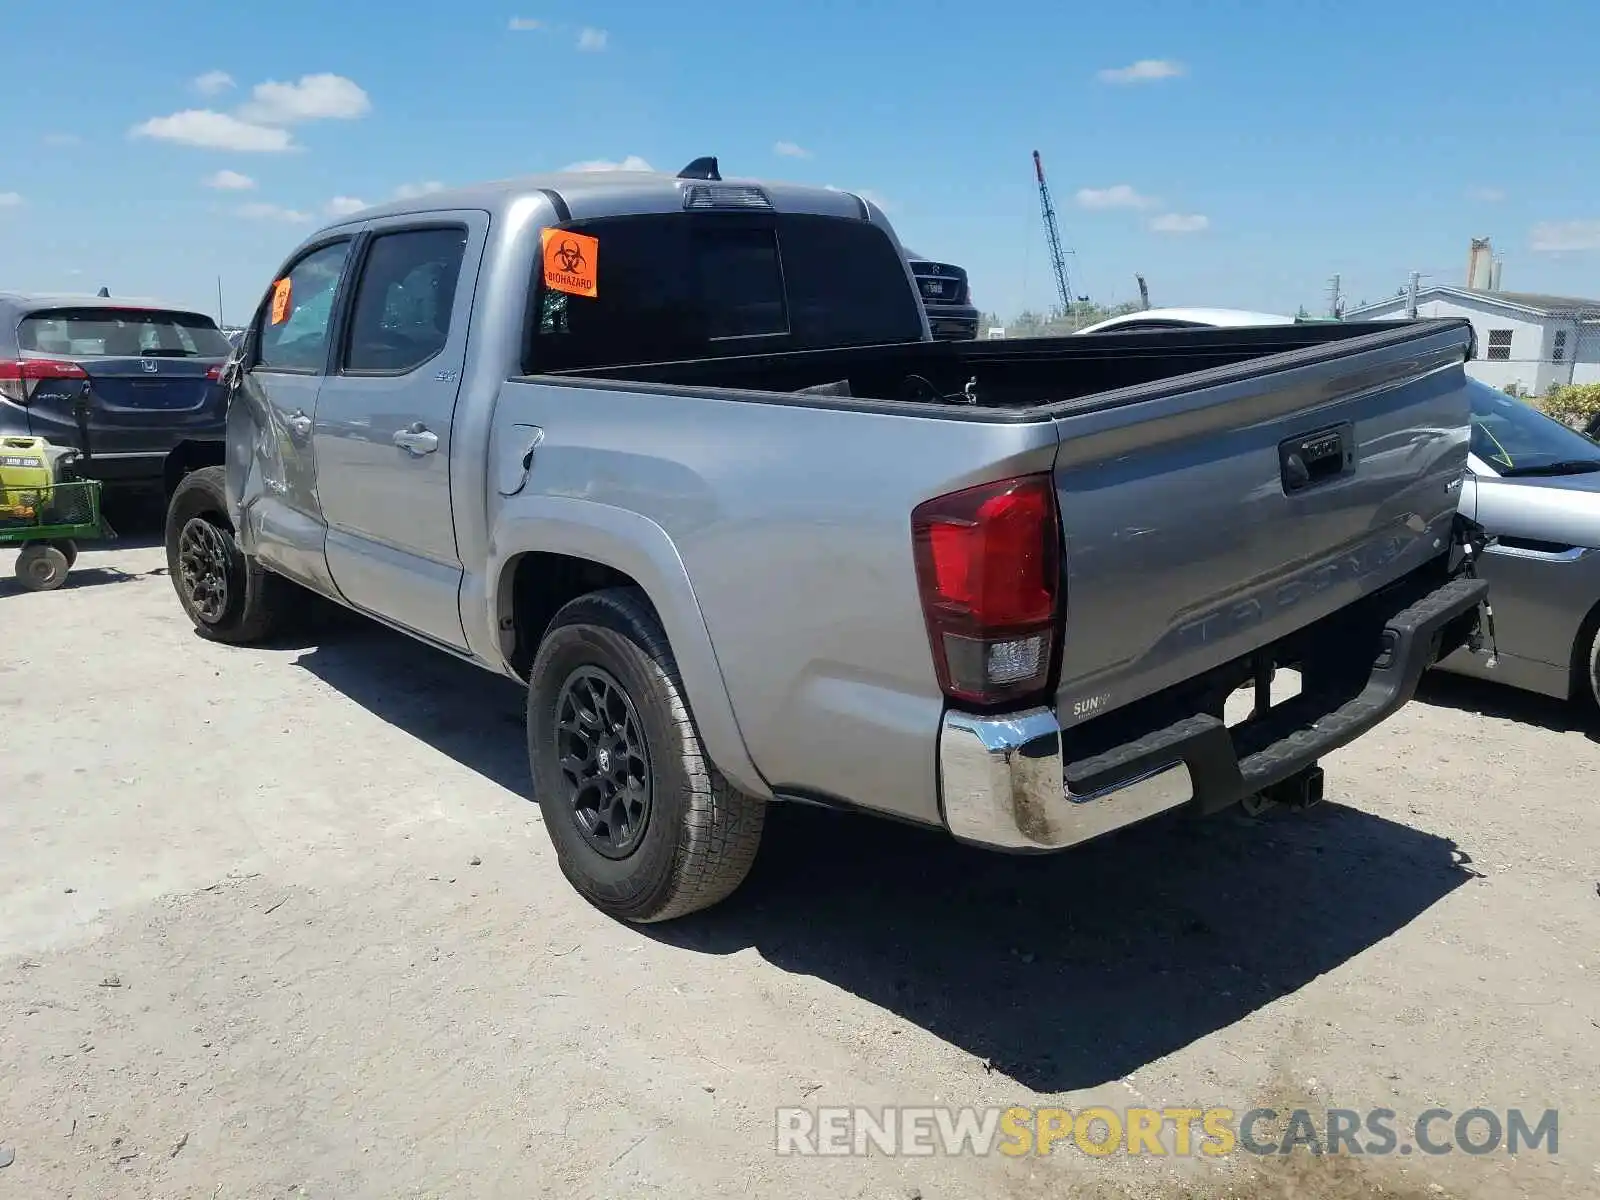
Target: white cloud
x=259 y=125
x=524 y=24
x=215 y=131
x=62 y=139
x=1146 y=70
x=410 y=191
x=632 y=163
x=343 y=206
x=592 y=39
x=229 y=181
x=213 y=83
x=1180 y=223
x=1118 y=195
x=790 y=150
x=312 y=98
x=1560 y=236
x=272 y=212
x=1486 y=195
x=10 y=199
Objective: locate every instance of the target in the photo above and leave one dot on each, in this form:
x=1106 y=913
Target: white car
x=1184 y=318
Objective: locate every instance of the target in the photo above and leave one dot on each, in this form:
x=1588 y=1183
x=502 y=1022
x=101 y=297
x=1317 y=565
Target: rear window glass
x=700 y=285
x=121 y=333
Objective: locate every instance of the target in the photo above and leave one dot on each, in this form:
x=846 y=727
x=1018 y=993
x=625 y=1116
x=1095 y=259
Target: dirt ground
x=283 y=923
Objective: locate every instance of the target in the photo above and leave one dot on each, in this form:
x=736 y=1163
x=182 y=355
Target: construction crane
x=1058 y=259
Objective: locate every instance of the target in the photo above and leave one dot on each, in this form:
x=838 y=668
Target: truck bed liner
x=1019 y=379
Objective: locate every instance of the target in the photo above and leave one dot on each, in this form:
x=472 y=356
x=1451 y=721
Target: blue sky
x=1258 y=149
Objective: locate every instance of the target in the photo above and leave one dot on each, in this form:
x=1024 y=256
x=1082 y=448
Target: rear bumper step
x=1006 y=783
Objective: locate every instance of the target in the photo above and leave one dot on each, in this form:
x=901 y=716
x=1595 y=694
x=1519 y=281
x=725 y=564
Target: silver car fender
x=638 y=547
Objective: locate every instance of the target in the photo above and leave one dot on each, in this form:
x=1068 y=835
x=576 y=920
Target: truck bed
x=1029 y=378
x=1189 y=558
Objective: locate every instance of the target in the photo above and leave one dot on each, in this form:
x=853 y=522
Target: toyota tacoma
x=680 y=454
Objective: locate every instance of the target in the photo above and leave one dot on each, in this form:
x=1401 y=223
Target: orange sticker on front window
x=280 y=302
x=571 y=262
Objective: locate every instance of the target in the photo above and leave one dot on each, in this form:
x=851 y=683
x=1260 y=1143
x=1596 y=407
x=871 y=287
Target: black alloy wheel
x=204 y=569
x=604 y=761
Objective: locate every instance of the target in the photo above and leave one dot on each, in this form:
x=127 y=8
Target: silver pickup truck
x=680 y=453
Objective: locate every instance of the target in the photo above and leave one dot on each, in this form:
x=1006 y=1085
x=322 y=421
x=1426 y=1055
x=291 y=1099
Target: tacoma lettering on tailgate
x=1237 y=615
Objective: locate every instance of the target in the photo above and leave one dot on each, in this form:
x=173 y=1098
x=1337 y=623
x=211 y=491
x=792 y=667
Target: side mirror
x=246 y=354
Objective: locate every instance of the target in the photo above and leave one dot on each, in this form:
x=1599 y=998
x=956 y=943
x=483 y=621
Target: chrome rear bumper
x=1003 y=785
x=1003 y=782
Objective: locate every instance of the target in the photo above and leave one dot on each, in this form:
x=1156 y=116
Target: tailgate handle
x=1314 y=458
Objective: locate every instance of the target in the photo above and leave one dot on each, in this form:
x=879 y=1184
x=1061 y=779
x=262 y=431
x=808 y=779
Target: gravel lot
x=282 y=923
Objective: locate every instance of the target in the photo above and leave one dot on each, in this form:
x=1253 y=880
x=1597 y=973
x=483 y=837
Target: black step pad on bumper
x=1225 y=766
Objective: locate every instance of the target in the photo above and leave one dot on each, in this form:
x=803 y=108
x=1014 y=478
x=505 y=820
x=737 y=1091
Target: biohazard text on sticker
x=571 y=262
x=280 y=302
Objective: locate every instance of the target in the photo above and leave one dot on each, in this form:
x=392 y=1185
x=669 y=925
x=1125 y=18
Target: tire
x=41 y=567
x=69 y=548
x=228 y=597
x=686 y=838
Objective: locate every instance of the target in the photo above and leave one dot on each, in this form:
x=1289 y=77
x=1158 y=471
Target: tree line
x=1029 y=323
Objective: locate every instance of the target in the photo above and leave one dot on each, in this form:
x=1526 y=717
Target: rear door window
x=673 y=287
x=120 y=333
x=404 y=300
x=296 y=318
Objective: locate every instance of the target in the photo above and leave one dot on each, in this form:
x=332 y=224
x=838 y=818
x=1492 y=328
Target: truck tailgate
x=1209 y=516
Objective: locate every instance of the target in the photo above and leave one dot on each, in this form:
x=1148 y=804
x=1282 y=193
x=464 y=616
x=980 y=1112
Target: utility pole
x=1335 y=299
x=1411 y=294
x=1144 y=292
x=219 y=302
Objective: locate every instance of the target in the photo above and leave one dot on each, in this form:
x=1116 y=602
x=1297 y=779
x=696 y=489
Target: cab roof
x=588 y=194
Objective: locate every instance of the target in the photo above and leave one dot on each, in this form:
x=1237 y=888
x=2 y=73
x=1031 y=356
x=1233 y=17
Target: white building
x=1526 y=338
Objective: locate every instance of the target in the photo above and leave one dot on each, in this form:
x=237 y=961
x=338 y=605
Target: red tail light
x=19 y=377
x=988 y=572
x=214 y=374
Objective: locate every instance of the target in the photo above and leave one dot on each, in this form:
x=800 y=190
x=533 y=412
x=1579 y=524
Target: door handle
x=299 y=424
x=417 y=439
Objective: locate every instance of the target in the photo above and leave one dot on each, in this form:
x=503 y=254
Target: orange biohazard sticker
x=280 y=301
x=571 y=262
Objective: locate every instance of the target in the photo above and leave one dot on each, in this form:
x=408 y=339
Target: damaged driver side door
x=273 y=411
